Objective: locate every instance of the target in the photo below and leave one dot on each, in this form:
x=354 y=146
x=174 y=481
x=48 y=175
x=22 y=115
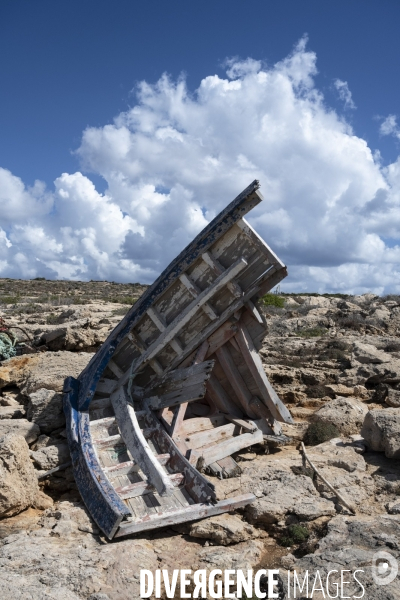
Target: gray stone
x=381 y=431
x=51 y=456
x=46 y=410
x=366 y=353
x=224 y=529
x=18 y=481
x=52 y=368
x=347 y=414
x=393 y=398
x=30 y=431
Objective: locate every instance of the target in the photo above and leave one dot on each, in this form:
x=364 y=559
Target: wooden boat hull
x=187 y=348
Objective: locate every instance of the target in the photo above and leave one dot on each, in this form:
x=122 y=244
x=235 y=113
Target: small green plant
x=295 y=534
x=10 y=299
x=273 y=300
x=52 y=319
x=317 y=433
x=311 y=332
x=120 y=311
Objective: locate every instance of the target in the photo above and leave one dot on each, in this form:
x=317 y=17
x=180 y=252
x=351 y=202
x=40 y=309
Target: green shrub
x=273 y=300
x=311 y=332
x=10 y=299
x=317 y=433
x=295 y=534
x=52 y=319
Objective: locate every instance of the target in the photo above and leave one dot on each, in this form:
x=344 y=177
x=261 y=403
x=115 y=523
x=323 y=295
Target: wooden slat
x=140 y=488
x=254 y=311
x=109 y=442
x=137 y=444
x=179 y=322
x=221 y=336
x=106 y=386
x=181 y=410
x=130 y=466
x=229 y=446
x=201 y=424
x=190 y=513
x=246 y=425
x=141 y=346
x=221 y=399
x=195 y=292
x=115 y=368
x=231 y=371
x=217 y=268
x=259 y=242
x=254 y=363
x=184 y=395
x=210 y=436
x=179 y=379
x=161 y=325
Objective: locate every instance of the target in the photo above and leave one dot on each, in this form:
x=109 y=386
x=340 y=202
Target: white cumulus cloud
x=176 y=158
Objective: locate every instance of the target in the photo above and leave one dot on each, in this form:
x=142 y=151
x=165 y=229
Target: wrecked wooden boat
x=178 y=386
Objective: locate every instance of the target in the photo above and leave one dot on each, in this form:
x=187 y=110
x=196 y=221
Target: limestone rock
x=52 y=368
x=12 y=412
x=347 y=414
x=340 y=389
x=30 y=431
x=393 y=398
x=14 y=370
x=46 y=410
x=51 y=456
x=381 y=431
x=285 y=493
x=18 y=481
x=366 y=353
x=224 y=529
x=353 y=542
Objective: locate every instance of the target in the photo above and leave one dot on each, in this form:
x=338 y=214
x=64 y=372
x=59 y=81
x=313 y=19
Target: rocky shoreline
x=335 y=361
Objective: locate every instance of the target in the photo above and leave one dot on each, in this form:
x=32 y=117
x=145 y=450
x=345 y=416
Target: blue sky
x=69 y=69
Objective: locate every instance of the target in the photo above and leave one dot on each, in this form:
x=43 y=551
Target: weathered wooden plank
x=137 y=443
x=100 y=403
x=195 y=483
x=106 y=386
x=210 y=436
x=115 y=368
x=190 y=513
x=195 y=292
x=221 y=399
x=217 y=268
x=190 y=426
x=183 y=395
x=259 y=242
x=246 y=425
x=185 y=317
x=140 y=488
x=129 y=466
x=221 y=336
x=179 y=379
x=229 y=446
x=109 y=442
x=161 y=325
x=141 y=346
x=103 y=422
x=232 y=372
x=181 y=410
x=254 y=311
x=254 y=363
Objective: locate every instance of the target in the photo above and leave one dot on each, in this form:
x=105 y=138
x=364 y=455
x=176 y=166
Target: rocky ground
x=336 y=364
